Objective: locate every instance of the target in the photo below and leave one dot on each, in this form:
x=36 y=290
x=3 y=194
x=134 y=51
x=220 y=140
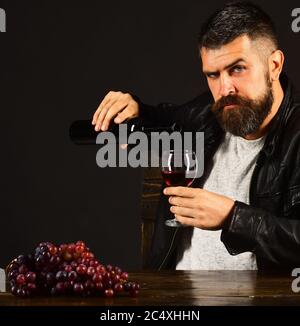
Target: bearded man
x=244 y=213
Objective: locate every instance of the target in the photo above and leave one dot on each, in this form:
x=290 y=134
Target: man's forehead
x=240 y=48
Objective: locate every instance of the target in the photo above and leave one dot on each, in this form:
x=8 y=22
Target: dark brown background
x=58 y=59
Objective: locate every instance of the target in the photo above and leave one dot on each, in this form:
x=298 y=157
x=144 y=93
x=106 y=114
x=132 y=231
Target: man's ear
x=276 y=61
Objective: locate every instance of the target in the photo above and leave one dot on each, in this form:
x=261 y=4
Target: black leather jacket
x=270 y=225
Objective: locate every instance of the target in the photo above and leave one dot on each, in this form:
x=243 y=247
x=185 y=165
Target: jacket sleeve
x=166 y=114
x=275 y=240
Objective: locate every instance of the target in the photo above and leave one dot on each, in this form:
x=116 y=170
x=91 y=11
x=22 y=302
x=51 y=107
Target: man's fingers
x=186 y=220
x=105 y=109
x=112 y=112
x=125 y=114
x=180 y=191
x=109 y=98
x=182 y=201
x=122 y=116
x=184 y=211
x=100 y=118
x=95 y=116
x=102 y=105
x=101 y=111
x=115 y=105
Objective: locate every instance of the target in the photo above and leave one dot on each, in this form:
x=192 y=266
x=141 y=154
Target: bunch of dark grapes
x=22 y=277
x=66 y=269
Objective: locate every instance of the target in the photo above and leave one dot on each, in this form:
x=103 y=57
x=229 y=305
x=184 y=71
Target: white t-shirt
x=233 y=165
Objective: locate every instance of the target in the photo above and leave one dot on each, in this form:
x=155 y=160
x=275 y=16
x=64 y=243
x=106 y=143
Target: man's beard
x=247 y=117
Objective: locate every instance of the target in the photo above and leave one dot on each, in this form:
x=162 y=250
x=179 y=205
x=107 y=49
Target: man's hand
x=115 y=105
x=198 y=207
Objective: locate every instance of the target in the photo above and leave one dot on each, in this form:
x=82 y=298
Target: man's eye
x=238 y=69
x=212 y=76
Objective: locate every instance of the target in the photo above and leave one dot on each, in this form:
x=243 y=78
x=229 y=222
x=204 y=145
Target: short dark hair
x=237 y=19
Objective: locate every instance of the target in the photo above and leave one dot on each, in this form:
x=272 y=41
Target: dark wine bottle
x=82 y=132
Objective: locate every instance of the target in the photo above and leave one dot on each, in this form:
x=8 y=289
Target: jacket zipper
x=254 y=178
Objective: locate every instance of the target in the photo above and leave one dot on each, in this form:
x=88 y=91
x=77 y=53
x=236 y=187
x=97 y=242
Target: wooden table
x=186 y=288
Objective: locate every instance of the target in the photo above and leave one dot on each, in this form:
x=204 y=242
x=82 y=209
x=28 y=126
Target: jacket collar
x=279 y=121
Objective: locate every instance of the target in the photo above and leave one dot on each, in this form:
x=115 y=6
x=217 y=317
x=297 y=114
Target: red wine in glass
x=176 y=178
x=179 y=168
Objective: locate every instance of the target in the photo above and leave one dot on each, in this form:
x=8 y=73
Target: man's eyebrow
x=226 y=67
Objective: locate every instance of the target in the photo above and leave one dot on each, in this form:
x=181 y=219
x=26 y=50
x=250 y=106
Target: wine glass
x=178 y=168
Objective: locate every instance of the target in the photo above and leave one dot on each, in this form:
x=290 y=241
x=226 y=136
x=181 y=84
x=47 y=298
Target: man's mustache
x=230 y=100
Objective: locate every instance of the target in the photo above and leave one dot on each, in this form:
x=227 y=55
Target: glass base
x=173 y=223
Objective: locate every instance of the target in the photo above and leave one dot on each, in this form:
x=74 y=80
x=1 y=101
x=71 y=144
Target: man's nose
x=226 y=86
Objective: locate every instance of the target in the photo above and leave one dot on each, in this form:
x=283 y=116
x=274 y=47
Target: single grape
x=72 y=276
x=135 y=286
x=71 y=248
x=31 y=287
x=67 y=256
x=21 y=292
x=53 y=250
x=81 y=269
x=61 y=276
x=109 y=268
x=97 y=278
x=60 y=287
x=89 y=285
x=124 y=276
x=50 y=278
x=21 y=259
x=23 y=269
x=14 y=289
x=79 y=249
x=116 y=278
x=20 y=279
x=118 y=270
x=13 y=274
x=91 y=271
x=94 y=263
x=127 y=286
x=109 y=293
x=118 y=287
x=30 y=277
x=68 y=268
x=80 y=243
x=78 y=288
